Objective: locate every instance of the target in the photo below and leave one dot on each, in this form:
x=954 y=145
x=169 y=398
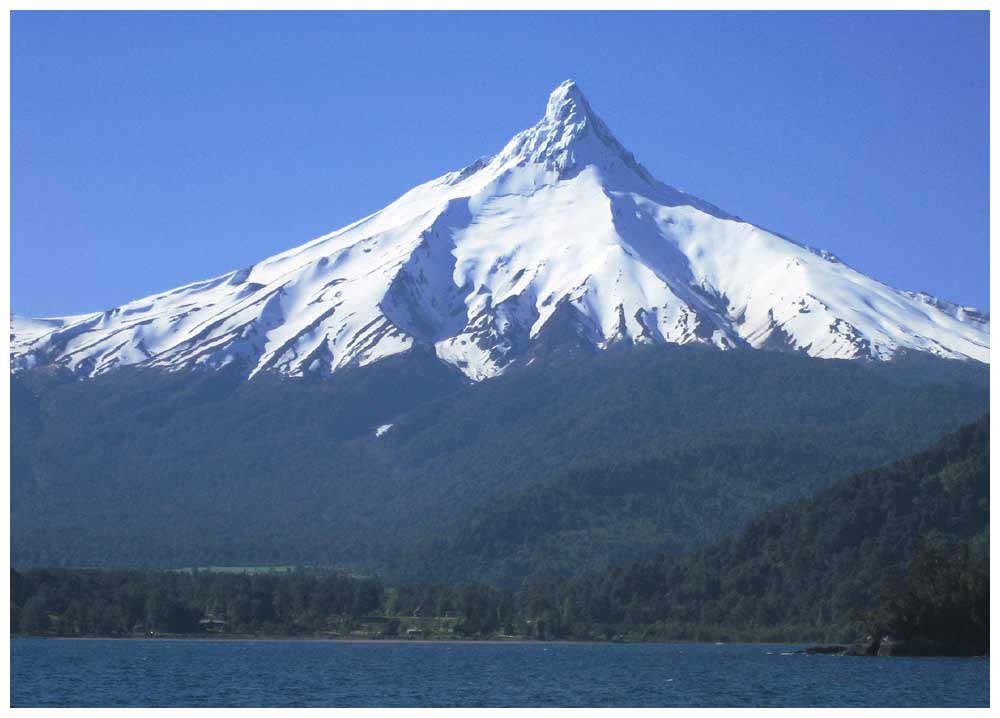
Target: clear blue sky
x=151 y=149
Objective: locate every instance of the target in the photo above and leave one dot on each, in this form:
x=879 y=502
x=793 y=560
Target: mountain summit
x=562 y=239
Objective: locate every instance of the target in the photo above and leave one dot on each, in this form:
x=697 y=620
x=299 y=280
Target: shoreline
x=799 y=646
x=302 y=639
x=801 y=650
x=248 y=638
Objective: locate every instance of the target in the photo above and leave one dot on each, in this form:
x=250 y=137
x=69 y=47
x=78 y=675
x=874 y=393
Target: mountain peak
x=566 y=103
x=562 y=240
x=569 y=137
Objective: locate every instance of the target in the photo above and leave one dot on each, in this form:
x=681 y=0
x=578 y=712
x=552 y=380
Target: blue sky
x=150 y=150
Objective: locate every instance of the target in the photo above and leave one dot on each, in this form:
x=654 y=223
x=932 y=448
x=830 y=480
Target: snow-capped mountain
x=560 y=237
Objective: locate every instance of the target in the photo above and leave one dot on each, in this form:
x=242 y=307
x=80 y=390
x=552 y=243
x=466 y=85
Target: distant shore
x=314 y=639
x=803 y=648
x=249 y=638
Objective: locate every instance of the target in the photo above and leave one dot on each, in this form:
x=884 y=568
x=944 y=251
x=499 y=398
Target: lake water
x=162 y=672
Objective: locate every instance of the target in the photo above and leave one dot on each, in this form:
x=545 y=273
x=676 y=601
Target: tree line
x=942 y=607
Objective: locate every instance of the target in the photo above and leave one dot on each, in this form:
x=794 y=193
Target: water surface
x=162 y=672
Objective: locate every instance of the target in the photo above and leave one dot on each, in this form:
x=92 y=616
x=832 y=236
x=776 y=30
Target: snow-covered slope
x=561 y=236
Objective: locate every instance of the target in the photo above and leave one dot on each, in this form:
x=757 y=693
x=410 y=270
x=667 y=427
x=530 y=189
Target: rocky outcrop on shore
x=867 y=646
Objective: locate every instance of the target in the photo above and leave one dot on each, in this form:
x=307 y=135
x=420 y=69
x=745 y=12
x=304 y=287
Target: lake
x=163 y=672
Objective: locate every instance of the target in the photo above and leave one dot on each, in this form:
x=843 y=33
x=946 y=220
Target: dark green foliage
x=902 y=550
x=551 y=470
x=810 y=569
x=121 y=603
x=944 y=606
x=144 y=467
x=673 y=451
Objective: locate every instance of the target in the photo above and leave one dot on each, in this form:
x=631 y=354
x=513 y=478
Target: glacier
x=562 y=236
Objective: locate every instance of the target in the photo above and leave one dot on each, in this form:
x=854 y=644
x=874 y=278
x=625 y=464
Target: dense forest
x=121 y=603
x=901 y=550
x=619 y=456
x=869 y=549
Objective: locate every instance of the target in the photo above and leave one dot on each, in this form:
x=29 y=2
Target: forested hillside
x=903 y=550
x=708 y=463
x=558 y=468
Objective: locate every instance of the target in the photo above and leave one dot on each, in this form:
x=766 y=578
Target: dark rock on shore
x=863 y=647
x=889 y=646
x=836 y=650
x=868 y=646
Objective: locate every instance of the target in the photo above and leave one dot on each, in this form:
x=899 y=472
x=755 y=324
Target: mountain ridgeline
x=562 y=238
x=557 y=468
